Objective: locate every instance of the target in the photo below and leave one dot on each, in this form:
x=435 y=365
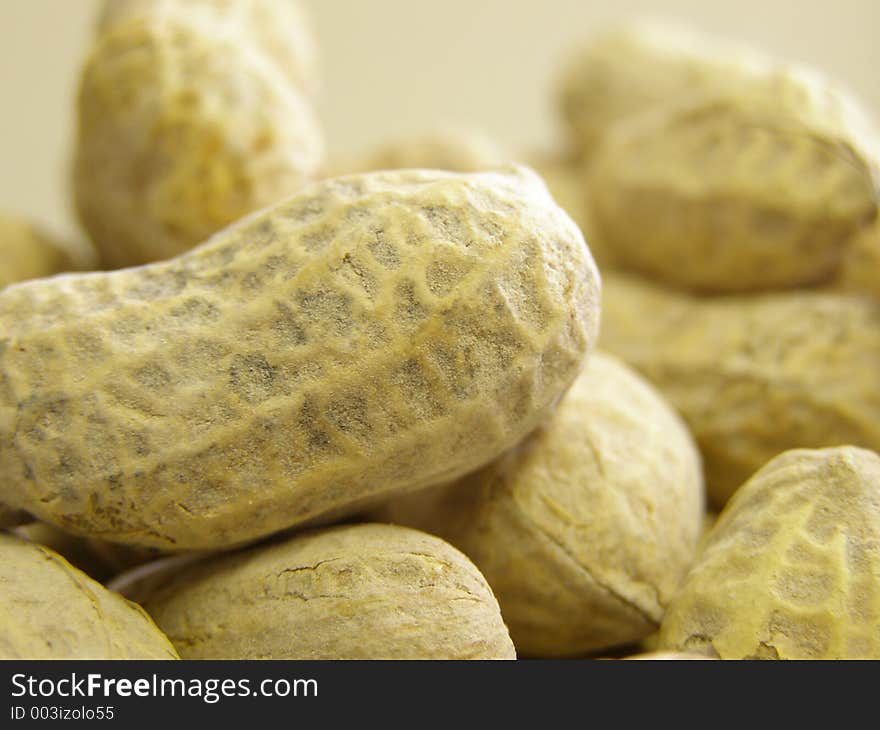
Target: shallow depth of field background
x=391 y=67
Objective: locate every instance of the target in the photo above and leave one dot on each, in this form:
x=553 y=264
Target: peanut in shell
x=347 y=592
x=791 y=569
x=181 y=131
x=753 y=375
x=372 y=335
x=51 y=610
x=757 y=189
x=638 y=66
x=277 y=28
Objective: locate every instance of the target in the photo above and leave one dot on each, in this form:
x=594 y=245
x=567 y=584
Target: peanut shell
x=51 y=610
x=763 y=188
x=182 y=131
x=791 y=569
x=350 y=592
x=374 y=334
x=278 y=28
x=756 y=375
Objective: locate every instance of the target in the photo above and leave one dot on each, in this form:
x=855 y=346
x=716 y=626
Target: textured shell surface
x=28 y=253
x=278 y=28
x=586 y=529
x=636 y=66
x=51 y=610
x=370 y=335
x=764 y=187
x=753 y=375
x=347 y=592
x=182 y=131
x=791 y=569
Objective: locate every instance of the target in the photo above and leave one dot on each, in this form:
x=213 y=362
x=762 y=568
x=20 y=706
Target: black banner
x=141 y=693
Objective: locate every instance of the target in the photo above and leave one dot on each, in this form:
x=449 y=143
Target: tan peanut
x=763 y=188
x=278 y=28
x=350 y=592
x=28 y=253
x=51 y=610
x=182 y=130
x=635 y=67
x=790 y=570
x=374 y=334
x=753 y=375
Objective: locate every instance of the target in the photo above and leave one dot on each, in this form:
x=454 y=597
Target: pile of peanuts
x=288 y=407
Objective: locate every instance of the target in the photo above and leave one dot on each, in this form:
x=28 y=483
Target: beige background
x=397 y=66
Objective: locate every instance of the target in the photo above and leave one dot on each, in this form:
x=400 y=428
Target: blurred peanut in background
x=393 y=68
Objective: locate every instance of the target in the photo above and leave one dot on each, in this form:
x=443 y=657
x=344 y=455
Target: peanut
x=373 y=334
x=51 y=610
x=279 y=28
x=790 y=570
x=635 y=67
x=28 y=253
x=762 y=188
x=350 y=592
x=753 y=375
x=181 y=131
